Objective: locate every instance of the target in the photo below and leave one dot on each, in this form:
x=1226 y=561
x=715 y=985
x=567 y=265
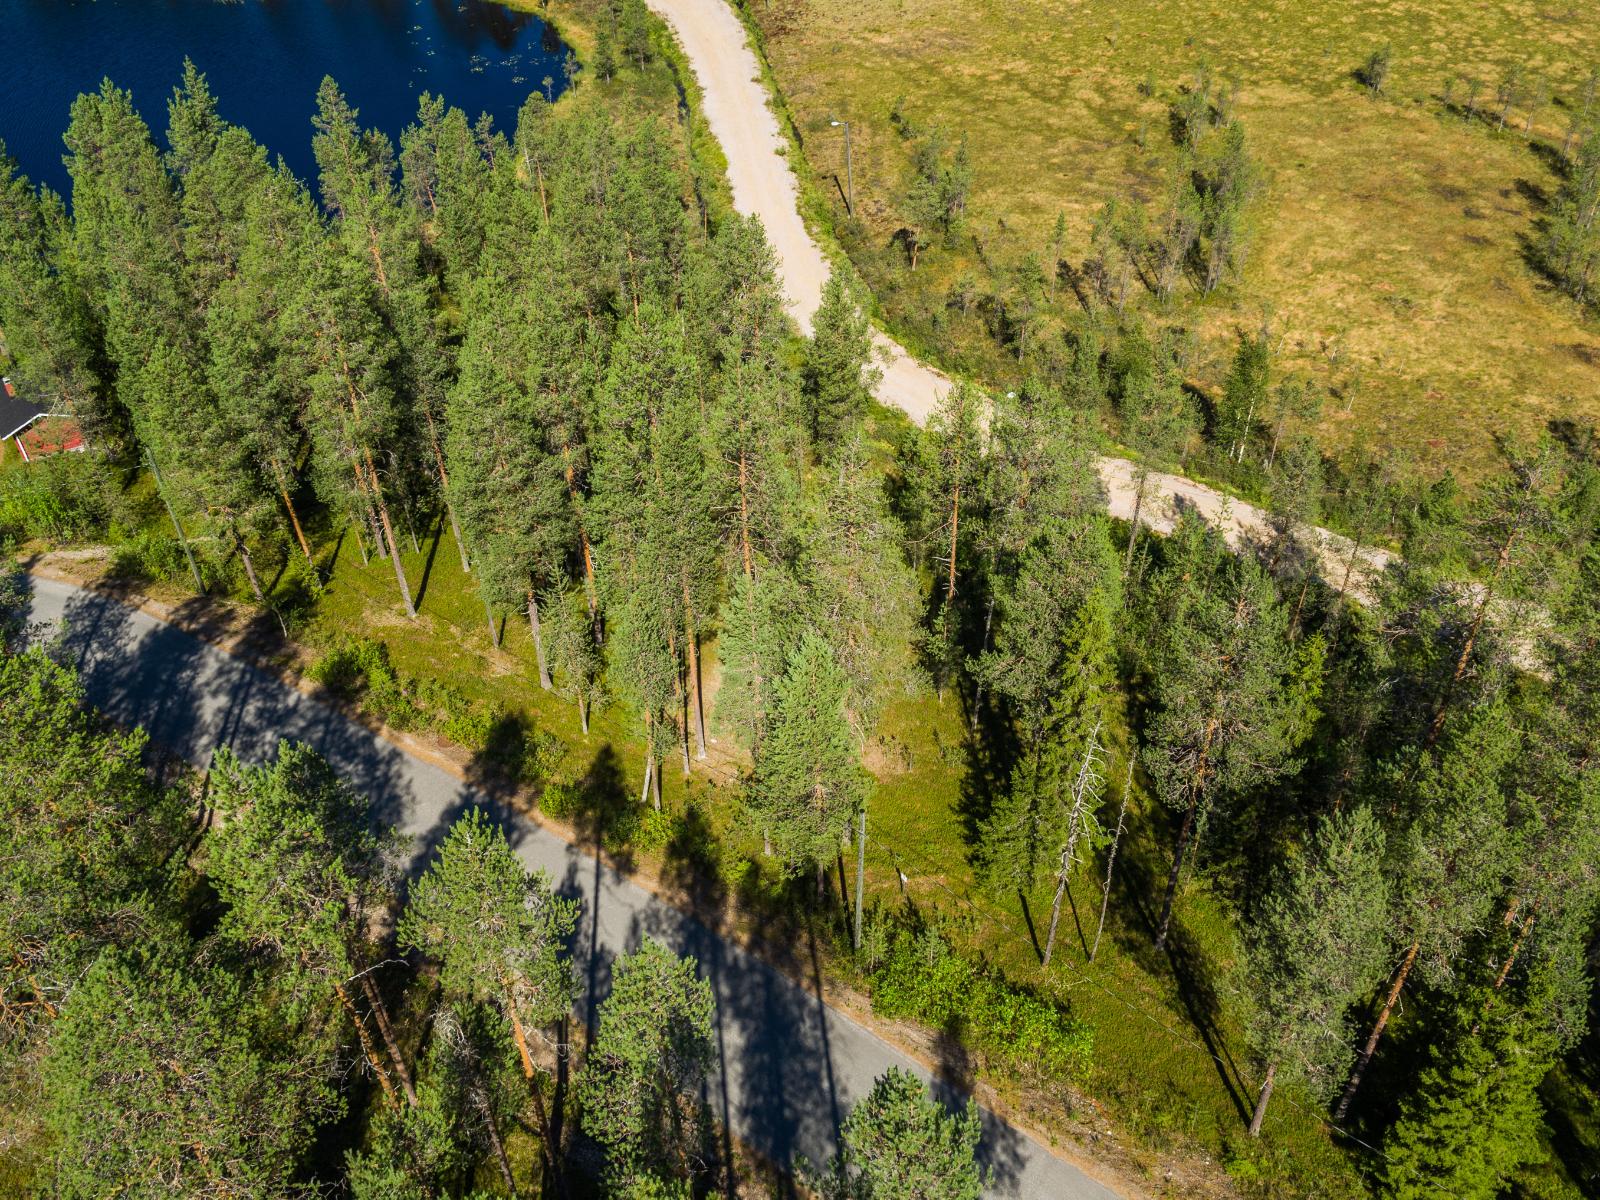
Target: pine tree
x=1446 y=860
x=304 y=877
x=52 y=335
x=650 y=492
x=500 y=933
x=897 y=1141
x=127 y=242
x=1225 y=719
x=952 y=469
x=1315 y=948
x=508 y=475
x=84 y=834
x=497 y=928
x=837 y=373
x=807 y=783
x=754 y=458
x=640 y=1084
x=156 y=1083
x=347 y=357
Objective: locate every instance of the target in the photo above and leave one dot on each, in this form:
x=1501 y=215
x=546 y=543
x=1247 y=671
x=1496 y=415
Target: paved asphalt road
x=790 y=1066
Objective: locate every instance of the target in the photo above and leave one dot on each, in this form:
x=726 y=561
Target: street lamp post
x=849 y=173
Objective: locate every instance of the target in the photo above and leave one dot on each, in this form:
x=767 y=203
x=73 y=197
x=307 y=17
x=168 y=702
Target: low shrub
x=359 y=669
x=923 y=977
x=147 y=555
x=62 y=498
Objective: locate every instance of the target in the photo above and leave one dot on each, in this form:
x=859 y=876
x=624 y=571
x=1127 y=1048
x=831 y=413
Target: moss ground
x=1389 y=249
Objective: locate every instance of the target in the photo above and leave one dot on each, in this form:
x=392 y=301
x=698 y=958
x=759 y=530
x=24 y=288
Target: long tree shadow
x=1139 y=888
x=427 y=566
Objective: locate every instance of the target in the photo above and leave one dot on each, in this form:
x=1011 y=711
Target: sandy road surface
x=737 y=109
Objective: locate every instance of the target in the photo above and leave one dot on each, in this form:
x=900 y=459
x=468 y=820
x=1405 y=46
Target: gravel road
x=740 y=115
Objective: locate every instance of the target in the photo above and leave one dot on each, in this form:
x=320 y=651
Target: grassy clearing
x=1389 y=249
x=1158 y=1020
x=1155 y=1098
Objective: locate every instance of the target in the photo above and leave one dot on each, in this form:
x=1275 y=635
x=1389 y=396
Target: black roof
x=15 y=412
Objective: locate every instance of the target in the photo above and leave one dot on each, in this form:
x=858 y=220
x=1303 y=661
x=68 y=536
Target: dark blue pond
x=264 y=59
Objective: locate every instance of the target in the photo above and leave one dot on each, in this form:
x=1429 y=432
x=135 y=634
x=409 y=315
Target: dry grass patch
x=1390 y=247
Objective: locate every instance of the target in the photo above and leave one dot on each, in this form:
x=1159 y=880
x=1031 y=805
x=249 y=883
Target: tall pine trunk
x=538 y=641
x=380 y=1013
x=294 y=517
x=492 y=1127
x=591 y=593
x=530 y=1073
x=444 y=490
x=387 y=526
x=365 y=1039
x=1260 y=1113
x=488 y=611
x=249 y=566
x=691 y=643
x=744 y=517
x=1371 y=1046
x=1184 y=834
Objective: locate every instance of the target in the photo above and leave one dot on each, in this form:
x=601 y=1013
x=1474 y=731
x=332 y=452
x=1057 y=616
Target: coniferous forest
x=556 y=346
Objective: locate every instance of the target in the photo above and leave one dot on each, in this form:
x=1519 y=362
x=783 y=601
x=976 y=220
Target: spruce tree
x=762 y=623
x=807 y=783
x=862 y=592
x=575 y=663
x=1048 y=820
x=837 y=374
x=1474 y=1117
